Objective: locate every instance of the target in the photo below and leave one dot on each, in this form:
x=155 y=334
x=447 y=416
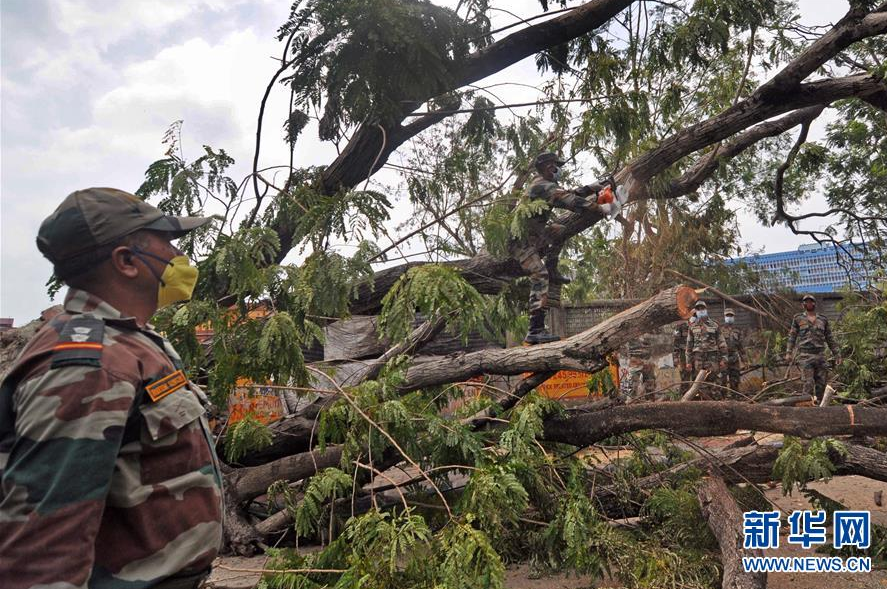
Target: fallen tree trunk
x=725 y=521
x=746 y=464
x=585 y=352
x=717 y=418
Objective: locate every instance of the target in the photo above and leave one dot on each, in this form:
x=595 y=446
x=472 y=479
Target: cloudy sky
x=89 y=86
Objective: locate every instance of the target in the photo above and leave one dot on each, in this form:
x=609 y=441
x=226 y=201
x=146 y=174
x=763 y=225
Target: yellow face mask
x=177 y=281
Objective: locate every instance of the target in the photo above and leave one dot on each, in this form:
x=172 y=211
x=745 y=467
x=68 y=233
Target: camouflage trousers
x=731 y=376
x=814 y=374
x=531 y=262
x=709 y=361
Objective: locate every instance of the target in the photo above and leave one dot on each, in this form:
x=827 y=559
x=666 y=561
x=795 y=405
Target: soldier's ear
x=123 y=261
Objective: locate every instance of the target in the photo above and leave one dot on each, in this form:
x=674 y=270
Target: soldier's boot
x=537 y=333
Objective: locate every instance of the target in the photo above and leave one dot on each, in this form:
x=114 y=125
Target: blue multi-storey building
x=812 y=268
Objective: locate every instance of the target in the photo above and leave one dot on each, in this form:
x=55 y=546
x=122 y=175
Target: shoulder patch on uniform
x=79 y=343
x=167 y=385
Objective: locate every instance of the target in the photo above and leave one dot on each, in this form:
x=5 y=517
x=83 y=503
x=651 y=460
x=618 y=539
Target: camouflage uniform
x=706 y=346
x=679 y=354
x=735 y=353
x=811 y=338
x=108 y=477
x=640 y=366
x=526 y=250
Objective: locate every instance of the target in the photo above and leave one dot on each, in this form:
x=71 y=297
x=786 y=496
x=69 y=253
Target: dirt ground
x=853 y=491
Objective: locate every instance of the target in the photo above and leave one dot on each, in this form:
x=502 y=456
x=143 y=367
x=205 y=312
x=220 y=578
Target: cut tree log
x=725 y=521
x=717 y=418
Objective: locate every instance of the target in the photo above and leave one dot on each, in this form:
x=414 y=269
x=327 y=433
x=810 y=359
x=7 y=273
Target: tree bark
x=860 y=460
x=586 y=351
x=717 y=418
x=725 y=521
x=247 y=483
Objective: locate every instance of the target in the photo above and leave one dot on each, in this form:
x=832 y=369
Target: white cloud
x=213 y=84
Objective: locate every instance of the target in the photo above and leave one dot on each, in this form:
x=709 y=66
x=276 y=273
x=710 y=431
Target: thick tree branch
x=246 y=483
x=351 y=167
x=725 y=521
x=746 y=114
x=699 y=172
x=717 y=418
x=488 y=273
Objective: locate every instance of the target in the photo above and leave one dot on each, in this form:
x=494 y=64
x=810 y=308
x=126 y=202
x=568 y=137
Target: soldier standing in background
x=526 y=250
x=640 y=366
x=811 y=333
x=707 y=350
x=108 y=476
x=735 y=350
x=678 y=351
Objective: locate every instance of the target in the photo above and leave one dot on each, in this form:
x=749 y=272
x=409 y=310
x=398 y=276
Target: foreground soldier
x=109 y=478
x=707 y=350
x=811 y=332
x=527 y=250
x=735 y=350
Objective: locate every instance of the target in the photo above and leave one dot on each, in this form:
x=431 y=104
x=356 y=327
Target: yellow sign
x=568 y=384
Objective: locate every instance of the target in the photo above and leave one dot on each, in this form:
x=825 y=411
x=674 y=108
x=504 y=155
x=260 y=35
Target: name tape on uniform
x=166 y=385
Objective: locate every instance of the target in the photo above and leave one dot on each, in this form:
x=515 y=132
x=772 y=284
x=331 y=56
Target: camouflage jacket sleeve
x=740 y=347
x=68 y=429
x=689 y=345
x=567 y=199
x=722 y=345
x=557 y=197
x=829 y=338
x=792 y=336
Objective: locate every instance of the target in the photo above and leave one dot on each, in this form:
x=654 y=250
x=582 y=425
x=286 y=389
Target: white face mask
x=556 y=173
x=728 y=319
x=701 y=313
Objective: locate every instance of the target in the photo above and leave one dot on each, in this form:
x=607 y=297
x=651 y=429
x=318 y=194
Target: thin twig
x=388 y=436
x=278 y=571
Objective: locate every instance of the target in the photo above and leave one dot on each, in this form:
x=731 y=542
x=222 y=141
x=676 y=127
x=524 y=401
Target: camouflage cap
x=548 y=156
x=729 y=312
x=808 y=297
x=700 y=304
x=93 y=217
